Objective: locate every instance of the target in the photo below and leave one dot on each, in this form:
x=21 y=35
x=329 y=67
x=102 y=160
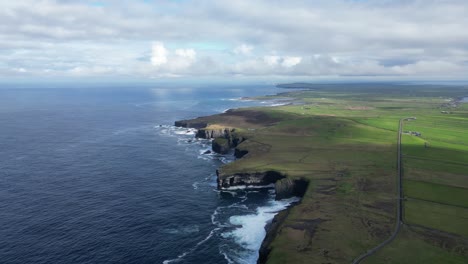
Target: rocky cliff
x=284 y=187
x=190 y=124
x=272 y=229
x=247 y=179
x=288 y=187
x=225 y=139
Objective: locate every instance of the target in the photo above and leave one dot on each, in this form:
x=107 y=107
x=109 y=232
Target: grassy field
x=343 y=140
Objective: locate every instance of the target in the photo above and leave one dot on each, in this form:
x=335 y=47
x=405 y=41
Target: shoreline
x=284 y=186
x=343 y=145
x=284 y=189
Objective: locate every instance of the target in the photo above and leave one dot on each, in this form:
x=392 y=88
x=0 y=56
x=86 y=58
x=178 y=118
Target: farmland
x=342 y=139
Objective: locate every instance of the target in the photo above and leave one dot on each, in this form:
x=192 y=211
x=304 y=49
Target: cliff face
x=214 y=133
x=284 y=187
x=247 y=179
x=288 y=187
x=190 y=124
x=224 y=139
x=272 y=229
x=221 y=145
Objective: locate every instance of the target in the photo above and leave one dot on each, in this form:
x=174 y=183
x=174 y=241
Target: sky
x=241 y=39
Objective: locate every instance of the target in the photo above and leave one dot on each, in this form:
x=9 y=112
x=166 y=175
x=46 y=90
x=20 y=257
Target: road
x=399 y=203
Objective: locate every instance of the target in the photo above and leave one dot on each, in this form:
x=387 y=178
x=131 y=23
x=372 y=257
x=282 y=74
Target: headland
x=337 y=151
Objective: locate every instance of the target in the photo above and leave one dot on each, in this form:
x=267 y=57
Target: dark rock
x=287 y=187
x=207 y=152
x=272 y=229
x=284 y=188
x=243 y=179
x=224 y=139
x=239 y=153
x=214 y=133
x=190 y=124
x=220 y=145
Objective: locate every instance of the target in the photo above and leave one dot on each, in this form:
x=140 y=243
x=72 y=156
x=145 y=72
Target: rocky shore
x=224 y=139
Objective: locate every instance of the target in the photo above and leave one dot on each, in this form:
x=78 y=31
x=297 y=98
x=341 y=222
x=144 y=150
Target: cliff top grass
x=343 y=140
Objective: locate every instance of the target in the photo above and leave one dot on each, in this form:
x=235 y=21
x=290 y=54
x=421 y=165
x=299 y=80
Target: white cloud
x=186 y=53
x=158 y=54
x=21 y=70
x=290 y=61
x=243 y=49
x=172 y=63
x=348 y=38
x=286 y=61
x=271 y=60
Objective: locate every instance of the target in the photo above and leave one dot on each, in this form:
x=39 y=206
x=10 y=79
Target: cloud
x=293 y=38
x=243 y=49
x=290 y=61
x=271 y=60
x=186 y=53
x=172 y=63
x=158 y=54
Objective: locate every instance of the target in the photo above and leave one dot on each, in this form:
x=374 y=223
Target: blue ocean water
x=100 y=175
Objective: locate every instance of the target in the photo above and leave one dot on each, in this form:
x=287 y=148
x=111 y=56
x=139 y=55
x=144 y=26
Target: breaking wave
x=239 y=223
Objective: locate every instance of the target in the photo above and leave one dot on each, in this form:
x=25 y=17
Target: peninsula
x=338 y=151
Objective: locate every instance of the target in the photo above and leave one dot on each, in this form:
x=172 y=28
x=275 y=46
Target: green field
x=343 y=140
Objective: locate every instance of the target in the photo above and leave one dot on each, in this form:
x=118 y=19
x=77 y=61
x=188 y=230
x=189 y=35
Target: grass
x=412 y=246
x=343 y=140
x=436 y=193
x=447 y=218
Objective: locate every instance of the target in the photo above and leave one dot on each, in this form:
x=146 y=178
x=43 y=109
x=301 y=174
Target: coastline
x=343 y=145
x=227 y=138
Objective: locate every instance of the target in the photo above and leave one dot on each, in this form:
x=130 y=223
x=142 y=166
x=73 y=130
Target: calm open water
x=99 y=175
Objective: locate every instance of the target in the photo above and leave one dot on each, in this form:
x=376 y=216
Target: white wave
x=227 y=159
x=240 y=206
x=175 y=131
x=226 y=257
x=278 y=104
x=206 y=151
x=185 y=131
x=183 y=255
x=246 y=187
x=251 y=230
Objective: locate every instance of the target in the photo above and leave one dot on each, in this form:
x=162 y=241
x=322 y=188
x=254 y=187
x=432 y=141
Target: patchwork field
x=343 y=140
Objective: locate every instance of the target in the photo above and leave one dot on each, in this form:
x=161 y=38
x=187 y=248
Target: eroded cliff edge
x=224 y=139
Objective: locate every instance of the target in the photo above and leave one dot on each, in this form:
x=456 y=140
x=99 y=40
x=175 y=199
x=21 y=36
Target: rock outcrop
x=247 y=179
x=190 y=124
x=239 y=153
x=214 y=133
x=288 y=187
x=221 y=145
x=225 y=139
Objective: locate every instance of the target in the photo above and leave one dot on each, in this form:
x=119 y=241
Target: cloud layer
x=154 y=39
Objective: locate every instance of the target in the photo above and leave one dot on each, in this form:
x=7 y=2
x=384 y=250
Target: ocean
x=100 y=175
